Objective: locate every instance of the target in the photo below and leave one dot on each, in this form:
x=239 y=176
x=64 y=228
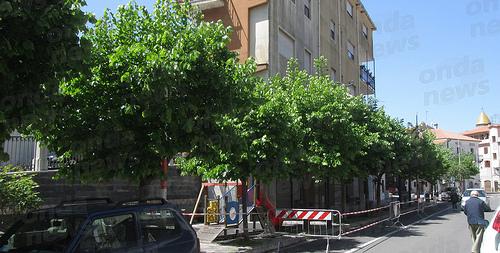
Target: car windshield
x=41 y=231
x=481 y=193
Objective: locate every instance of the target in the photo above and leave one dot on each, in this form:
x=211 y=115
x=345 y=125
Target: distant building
x=489 y=164
x=459 y=144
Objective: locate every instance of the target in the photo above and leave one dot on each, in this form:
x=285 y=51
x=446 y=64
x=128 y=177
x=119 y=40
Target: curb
x=273 y=244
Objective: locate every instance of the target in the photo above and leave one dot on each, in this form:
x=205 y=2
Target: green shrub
x=17 y=192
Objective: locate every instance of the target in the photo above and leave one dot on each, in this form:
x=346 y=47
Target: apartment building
x=275 y=31
x=488 y=150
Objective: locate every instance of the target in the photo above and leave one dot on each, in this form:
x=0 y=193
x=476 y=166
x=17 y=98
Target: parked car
x=466 y=195
x=446 y=193
x=491 y=236
x=151 y=226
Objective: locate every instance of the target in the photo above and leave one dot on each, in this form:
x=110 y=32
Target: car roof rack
x=150 y=201
x=84 y=201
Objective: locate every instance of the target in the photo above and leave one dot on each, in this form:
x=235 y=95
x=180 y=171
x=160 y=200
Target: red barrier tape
x=361 y=228
x=365 y=211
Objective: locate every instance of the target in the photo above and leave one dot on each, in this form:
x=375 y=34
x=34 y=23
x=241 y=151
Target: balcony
x=367 y=77
x=208 y=4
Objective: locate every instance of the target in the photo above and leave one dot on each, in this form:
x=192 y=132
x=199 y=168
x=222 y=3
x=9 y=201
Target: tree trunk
x=244 y=188
x=150 y=188
x=377 y=191
x=344 y=195
x=400 y=189
x=409 y=190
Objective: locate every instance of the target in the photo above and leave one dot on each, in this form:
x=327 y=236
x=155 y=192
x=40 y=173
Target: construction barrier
x=310 y=222
x=395 y=213
x=420 y=206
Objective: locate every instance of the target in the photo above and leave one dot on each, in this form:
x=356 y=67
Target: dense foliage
x=148 y=85
x=158 y=83
x=462 y=167
x=39 y=45
x=310 y=127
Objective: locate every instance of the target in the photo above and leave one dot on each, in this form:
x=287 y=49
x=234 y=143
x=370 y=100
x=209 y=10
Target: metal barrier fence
x=395 y=213
x=326 y=223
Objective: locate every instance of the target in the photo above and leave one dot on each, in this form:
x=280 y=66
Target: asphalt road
x=442 y=232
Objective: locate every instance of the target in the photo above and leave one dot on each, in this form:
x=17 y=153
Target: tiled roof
x=442 y=134
x=483 y=129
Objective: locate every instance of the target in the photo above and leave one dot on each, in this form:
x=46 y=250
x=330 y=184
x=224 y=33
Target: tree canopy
x=462 y=167
x=157 y=84
x=39 y=45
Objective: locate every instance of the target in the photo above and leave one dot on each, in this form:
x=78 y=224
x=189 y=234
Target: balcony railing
x=208 y=4
x=367 y=77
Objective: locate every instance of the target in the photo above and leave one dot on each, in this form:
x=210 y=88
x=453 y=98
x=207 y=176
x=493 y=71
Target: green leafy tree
x=462 y=167
x=265 y=141
x=18 y=193
x=425 y=160
x=158 y=83
x=39 y=45
x=308 y=127
x=385 y=150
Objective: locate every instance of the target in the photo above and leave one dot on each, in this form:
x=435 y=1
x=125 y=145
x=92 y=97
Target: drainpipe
x=319 y=29
x=340 y=42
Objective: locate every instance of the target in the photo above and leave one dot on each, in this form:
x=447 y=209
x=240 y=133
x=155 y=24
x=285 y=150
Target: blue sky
x=437 y=59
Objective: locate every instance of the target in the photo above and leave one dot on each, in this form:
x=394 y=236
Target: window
x=307 y=8
x=307 y=61
x=333 y=74
x=332 y=30
x=286 y=50
x=485 y=151
x=349 y=8
x=293 y=1
x=493 y=138
x=158 y=225
x=494 y=156
x=112 y=232
x=365 y=31
x=350 y=50
x=486 y=164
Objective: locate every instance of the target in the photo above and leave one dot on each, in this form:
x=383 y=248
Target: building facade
x=488 y=151
x=459 y=145
x=275 y=31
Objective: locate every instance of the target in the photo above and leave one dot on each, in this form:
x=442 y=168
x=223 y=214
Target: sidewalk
x=266 y=242
x=259 y=243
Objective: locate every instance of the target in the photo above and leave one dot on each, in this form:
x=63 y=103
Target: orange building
x=274 y=31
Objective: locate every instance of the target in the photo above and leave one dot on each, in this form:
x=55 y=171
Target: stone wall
x=181 y=190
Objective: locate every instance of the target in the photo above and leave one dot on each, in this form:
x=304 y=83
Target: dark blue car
x=102 y=227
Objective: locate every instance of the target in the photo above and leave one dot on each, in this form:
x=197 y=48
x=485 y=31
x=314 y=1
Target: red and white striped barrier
x=304 y=215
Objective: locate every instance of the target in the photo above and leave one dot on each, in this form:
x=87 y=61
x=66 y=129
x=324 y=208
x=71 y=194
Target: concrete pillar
x=40 y=159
